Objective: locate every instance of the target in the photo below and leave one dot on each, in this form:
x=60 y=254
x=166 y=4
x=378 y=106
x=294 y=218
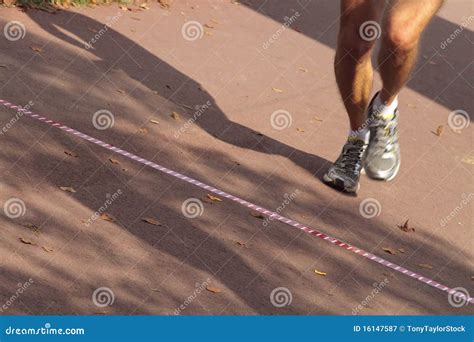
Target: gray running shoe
x=344 y=174
x=382 y=157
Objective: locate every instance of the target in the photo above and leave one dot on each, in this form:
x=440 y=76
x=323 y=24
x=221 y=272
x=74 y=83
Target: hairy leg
x=403 y=23
x=352 y=64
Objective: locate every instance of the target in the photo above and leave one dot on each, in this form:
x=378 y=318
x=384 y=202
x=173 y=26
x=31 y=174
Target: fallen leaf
x=389 y=250
x=26 y=242
x=439 y=130
x=72 y=154
x=67 y=188
x=107 y=217
x=120 y=91
x=36 y=49
x=151 y=220
x=213 y=289
x=92 y=30
x=114 y=161
x=315 y=118
x=175 y=116
x=427 y=266
x=303 y=69
x=209 y=26
x=468 y=160
x=401 y=250
x=124 y=8
x=404 y=227
x=144 y=6
x=46 y=249
x=277 y=90
x=320 y=273
x=154 y=122
x=240 y=244
x=300 y=129
x=257 y=215
x=214 y=198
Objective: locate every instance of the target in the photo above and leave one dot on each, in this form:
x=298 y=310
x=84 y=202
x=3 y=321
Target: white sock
x=362 y=134
x=384 y=110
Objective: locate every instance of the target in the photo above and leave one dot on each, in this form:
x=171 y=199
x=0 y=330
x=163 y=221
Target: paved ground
x=142 y=69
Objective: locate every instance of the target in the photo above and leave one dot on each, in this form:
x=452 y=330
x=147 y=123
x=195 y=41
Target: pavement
x=150 y=74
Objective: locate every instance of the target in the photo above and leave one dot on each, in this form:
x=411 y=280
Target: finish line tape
x=457 y=294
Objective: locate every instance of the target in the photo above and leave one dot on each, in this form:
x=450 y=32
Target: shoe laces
x=351 y=156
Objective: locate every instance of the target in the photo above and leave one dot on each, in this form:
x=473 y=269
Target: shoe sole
x=339 y=185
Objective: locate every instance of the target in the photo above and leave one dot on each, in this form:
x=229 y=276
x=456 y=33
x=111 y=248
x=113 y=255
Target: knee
x=400 y=36
x=350 y=42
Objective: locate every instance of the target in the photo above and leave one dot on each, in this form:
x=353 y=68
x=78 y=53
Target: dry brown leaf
x=114 y=161
x=67 y=188
x=427 y=266
x=277 y=90
x=209 y=26
x=144 y=6
x=401 y=250
x=315 y=118
x=175 y=116
x=404 y=227
x=320 y=273
x=213 y=289
x=300 y=129
x=389 y=250
x=36 y=49
x=151 y=220
x=303 y=69
x=240 y=244
x=46 y=249
x=120 y=91
x=257 y=215
x=26 y=242
x=439 y=130
x=154 y=122
x=214 y=198
x=107 y=217
x=72 y=154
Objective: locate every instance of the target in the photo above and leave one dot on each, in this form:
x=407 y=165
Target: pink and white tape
x=275 y=216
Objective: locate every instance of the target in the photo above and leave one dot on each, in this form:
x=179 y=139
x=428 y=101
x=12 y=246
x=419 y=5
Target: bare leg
x=352 y=64
x=403 y=23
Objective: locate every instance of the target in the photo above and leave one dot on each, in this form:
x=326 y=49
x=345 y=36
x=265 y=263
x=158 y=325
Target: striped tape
x=269 y=213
